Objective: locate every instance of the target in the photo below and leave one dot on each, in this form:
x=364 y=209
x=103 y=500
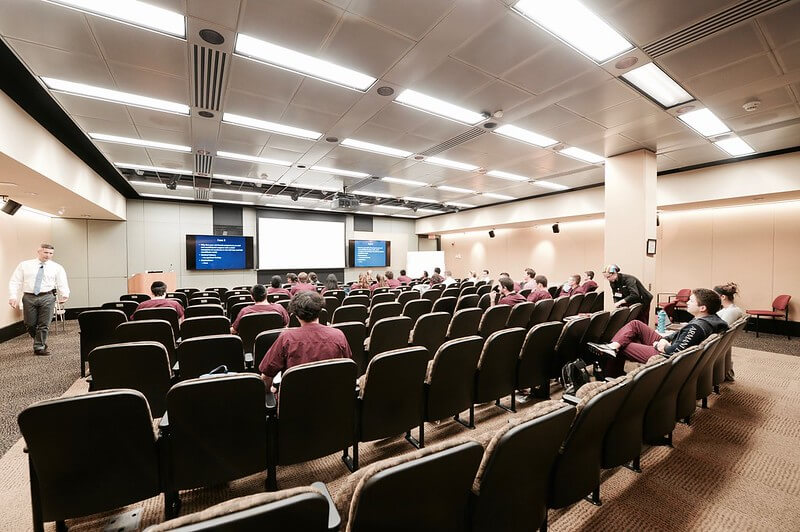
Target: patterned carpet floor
x=737 y=466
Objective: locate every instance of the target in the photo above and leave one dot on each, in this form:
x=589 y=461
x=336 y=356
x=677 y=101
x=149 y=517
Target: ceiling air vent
x=202 y=164
x=704 y=28
x=209 y=71
x=453 y=142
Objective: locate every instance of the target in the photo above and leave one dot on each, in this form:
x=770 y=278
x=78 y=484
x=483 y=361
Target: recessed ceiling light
x=451 y=164
x=235 y=202
x=154 y=184
x=272 y=127
x=432 y=211
x=8 y=184
x=225 y=177
x=524 y=135
x=408 y=182
x=582 y=155
x=376 y=148
x=548 y=184
x=365 y=213
x=704 y=122
x=372 y=194
x=448 y=188
x=497 y=196
x=404 y=216
x=507 y=175
x=139 y=142
x=110 y=95
x=735 y=146
x=165 y=196
x=419 y=200
x=317 y=187
x=242 y=192
x=131 y=12
x=393 y=207
x=438 y=107
x=659 y=86
x=457 y=204
x=252 y=158
x=285 y=206
x=576 y=25
x=156 y=169
x=336 y=171
x=211 y=36
x=281 y=57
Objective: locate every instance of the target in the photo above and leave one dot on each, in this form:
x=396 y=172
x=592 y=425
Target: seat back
x=160 y=313
x=468 y=290
x=453 y=291
x=569 y=345
x=468 y=301
x=449 y=379
x=576 y=472
x=97 y=328
x=378 y=290
x=465 y=322
x=391 y=397
x=134 y=297
x=204 y=325
x=202 y=354
x=705 y=382
x=430 y=331
x=65 y=479
x=252 y=324
x=598 y=322
x=554 y=291
x=633 y=312
x=575 y=302
x=204 y=300
x=559 y=309
x=197 y=311
x=148 y=331
x=493 y=319
x=537 y=356
x=444 y=304
x=513 y=477
x=520 y=315
x=274 y=298
x=484 y=289
x=406 y=296
x=234 y=292
x=383 y=297
x=497 y=365
x=416 y=308
x=599 y=302
x=360 y=292
x=380 y=311
x=220 y=290
x=235 y=308
x=616 y=320
x=687 y=396
x=236 y=299
x=206 y=293
x=332 y=303
x=217 y=430
x=724 y=362
x=587 y=303
x=432 y=293
x=338 y=294
x=541 y=311
x=302 y=430
x=440 y=481
x=128 y=307
x=187 y=291
x=525 y=292
x=781 y=302
x=388 y=334
x=360 y=299
x=182 y=299
x=485 y=301
x=140 y=366
x=347 y=313
x=355 y=332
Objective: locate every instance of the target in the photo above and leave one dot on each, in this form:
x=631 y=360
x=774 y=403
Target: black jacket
x=631 y=290
x=695 y=332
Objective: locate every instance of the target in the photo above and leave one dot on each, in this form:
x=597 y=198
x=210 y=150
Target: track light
x=9 y=206
x=491 y=233
x=556 y=229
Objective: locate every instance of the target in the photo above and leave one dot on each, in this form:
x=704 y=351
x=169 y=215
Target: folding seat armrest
x=248 y=360
x=271 y=403
x=571 y=399
x=334 y=519
x=163 y=425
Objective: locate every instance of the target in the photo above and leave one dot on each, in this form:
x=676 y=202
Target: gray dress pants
x=38 y=313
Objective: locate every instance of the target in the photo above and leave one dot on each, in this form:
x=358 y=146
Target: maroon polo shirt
x=539 y=293
x=303 y=287
x=404 y=279
x=279 y=290
x=588 y=286
x=393 y=283
x=261 y=307
x=511 y=299
x=161 y=302
x=311 y=342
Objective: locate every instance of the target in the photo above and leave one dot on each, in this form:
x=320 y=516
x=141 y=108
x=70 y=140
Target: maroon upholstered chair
x=780 y=309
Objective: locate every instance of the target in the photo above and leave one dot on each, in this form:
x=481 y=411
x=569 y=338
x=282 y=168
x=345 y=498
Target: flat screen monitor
x=369 y=253
x=212 y=252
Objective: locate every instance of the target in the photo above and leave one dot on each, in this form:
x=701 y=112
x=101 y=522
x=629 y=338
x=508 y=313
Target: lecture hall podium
x=139 y=283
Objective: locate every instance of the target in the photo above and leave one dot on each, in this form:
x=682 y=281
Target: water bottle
x=662 y=322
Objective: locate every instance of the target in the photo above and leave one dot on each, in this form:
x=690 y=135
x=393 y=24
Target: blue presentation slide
x=220 y=253
x=369 y=253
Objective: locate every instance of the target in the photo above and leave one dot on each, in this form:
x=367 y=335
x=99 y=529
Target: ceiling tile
x=410 y=17
x=264 y=80
x=162 y=135
x=292 y=144
x=55 y=63
x=301 y=25
x=789 y=56
x=222 y=13
x=120 y=153
x=698 y=154
x=608 y=94
x=624 y=113
x=742 y=73
x=451 y=80
x=549 y=68
x=775 y=139
x=763 y=118
x=96 y=125
x=576 y=131
x=171 y=159
x=150 y=83
x=47 y=24
x=547 y=118
x=780 y=24
x=769 y=99
x=663 y=163
x=75 y=105
x=611 y=145
x=247 y=104
x=498 y=95
x=159 y=120
x=145 y=49
x=306 y=118
x=653 y=126
x=325 y=97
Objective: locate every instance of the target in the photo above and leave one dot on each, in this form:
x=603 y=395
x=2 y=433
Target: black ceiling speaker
x=491 y=233
x=10 y=206
x=555 y=228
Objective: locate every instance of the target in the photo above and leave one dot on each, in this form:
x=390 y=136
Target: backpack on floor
x=574 y=375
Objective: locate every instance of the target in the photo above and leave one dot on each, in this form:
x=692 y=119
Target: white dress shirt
x=24 y=278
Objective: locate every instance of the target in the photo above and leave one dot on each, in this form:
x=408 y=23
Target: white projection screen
x=285 y=244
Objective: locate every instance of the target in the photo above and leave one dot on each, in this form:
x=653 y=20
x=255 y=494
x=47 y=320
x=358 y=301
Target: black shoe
x=42 y=352
x=601 y=349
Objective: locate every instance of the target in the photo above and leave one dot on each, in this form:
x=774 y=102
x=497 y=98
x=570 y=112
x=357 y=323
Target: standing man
x=39 y=281
x=628 y=290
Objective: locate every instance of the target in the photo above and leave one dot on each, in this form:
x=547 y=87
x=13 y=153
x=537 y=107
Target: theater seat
x=559 y=308
x=541 y=311
x=430 y=331
x=200 y=355
x=134 y=297
x=204 y=325
x=252 y=324
x=536 y=357
x=444 y=304
x=465 y=322
x=355 y=332
x=160 y=313
x=449 y=380
x=147 y=331
x=128 y=307
x=687 y=396
x=97 y=328
x=347 y=313
x=493 y=319
x=416 y=308
x=496 y=373
x=520 y=315
x=203 y=310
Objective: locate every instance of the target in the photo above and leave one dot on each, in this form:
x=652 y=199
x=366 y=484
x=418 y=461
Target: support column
x=630 y=203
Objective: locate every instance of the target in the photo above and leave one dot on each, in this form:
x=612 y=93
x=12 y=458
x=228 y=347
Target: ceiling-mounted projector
x=343 y=202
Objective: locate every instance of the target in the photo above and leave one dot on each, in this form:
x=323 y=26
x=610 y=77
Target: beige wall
x=20 y=236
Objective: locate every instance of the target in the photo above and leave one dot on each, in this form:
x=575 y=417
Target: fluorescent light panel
x=165 y=196
x=451 y=164
x=272 y=127
x=114 y=96
x=582 y=155
x=162 y=185
x=131 y=12
x=404 y=216
x=655 y=83
x=497 y=196
x=336 y=171
x=235 y=202
x=225 y=177
x=371 y=213
x=281 y=57
x=373 y=194
x=419 y=200
x=408 y=182
x=434 y=211
x=393 y=207
x=548 y=184
x=242 y=192
x=507 y=175
x=156 y=169
x=432 y=105
x=139 y=142
x=704 y=122
x=735 y=146
x=576 y=25
x=252 y=158
x=524 y=135
x=457 y=204
x=376 y=148
x=447 y=188
x=285 y=206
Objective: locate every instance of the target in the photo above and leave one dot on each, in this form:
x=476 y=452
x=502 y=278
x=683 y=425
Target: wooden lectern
x=140 y=283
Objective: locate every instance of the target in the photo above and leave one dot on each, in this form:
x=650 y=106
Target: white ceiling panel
x=149 y=83
x=769 y=99
x=171 y=159
x=222 y=13
x=452 y=80
x=325 y=97
x=674 y=141
x=163 y=135
x=547 y=118
x=747 y=71
x=60 y=64
x=409 y=17
x=301 y=25
x=248 y=104
x=159 y=120
x=95 y=125
x=75 y=105
x=664 y=162
x=775 y=139
x=120 y=153
x=764 y=118
x=576 y=131
x=611 y=145
x=653 y=127
x=699 y=154
x=138 y=47
x=780 y=24
x=624 y=113
x=263 y=80
x=789 y=56
x=549 y=68
x=401 y=118
x=498 y=95
x=292 y=144
x=47 y=24
x=230 y=133
x=306 y=118
x=607 y=94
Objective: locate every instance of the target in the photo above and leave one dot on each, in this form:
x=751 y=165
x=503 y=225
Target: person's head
x=291 y=277
x=541 y=281
x=306 y=306
x=485 y=273
x=363 y=280
x=158 y=288
x=703 y=302
x=530 y=274
x=505 y=274
x=312 y=277
x=448 y=273
x=45 y=252
x=259 y=293
x=437 y=270
x=588 y=275
x=726 y=292
x=275 y=282
x=472 y=274
x=574 y=280
x=302 y=277
x=381 y=279
x=331 y=282
x=611 y=272
x=425 y=273
x=506 y=285
x=402 y=272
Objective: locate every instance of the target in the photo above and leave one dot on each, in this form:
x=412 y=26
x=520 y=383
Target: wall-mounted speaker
x=9 y=206
x=556 y=228
x=491 y=233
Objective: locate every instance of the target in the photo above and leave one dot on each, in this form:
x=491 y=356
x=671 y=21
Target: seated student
x=437 y=271
x=424 y=277
x=569 y=288
x=636 y=341
x=291 y=278
x=436 y=279
x=730 y=313
x=541 y=291
x=485 y=276
x=506 y=274
x=508 y=295
x=472 y=276
x=588 y=283
x=275 y=286
x=403 y=278
x=159 y=299
x=302 y=284
x=312 y=278
x=310 y=342
x=260 y=296
x=363 y=282
x=391 y=282
x=448 y=278
x=331 y=283
x=380 y=282
x=529 y=280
